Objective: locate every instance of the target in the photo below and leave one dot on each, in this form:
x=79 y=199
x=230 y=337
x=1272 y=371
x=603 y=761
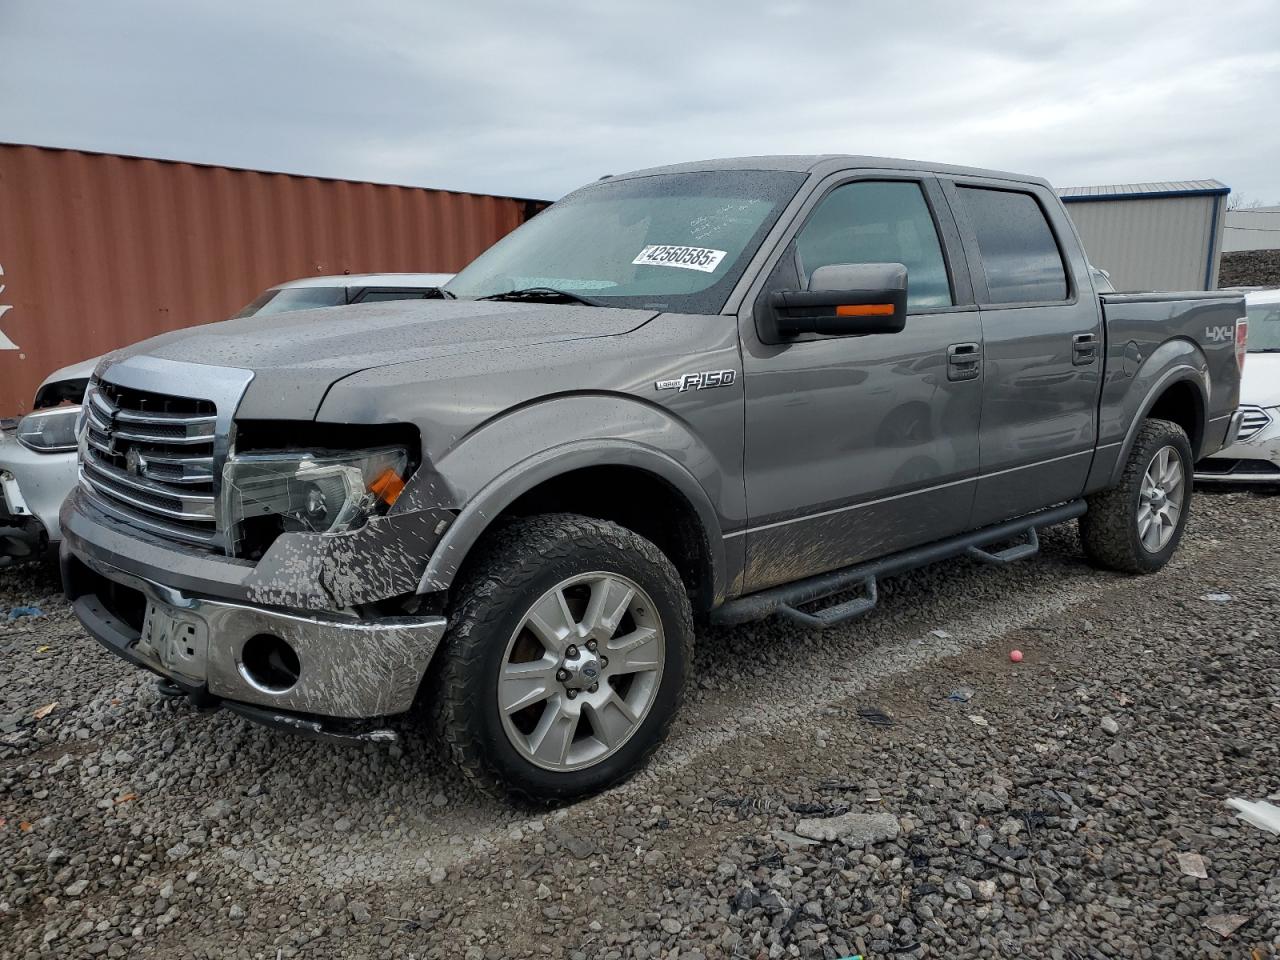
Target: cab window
x=874 y=221
x=1019 y=253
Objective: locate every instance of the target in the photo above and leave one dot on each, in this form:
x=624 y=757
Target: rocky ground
x=963 y=805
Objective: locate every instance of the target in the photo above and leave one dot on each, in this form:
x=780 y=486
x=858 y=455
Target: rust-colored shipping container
x=98 y=251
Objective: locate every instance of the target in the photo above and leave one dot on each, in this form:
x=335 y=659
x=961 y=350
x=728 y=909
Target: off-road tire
x=515 y=567
x=1109 y=531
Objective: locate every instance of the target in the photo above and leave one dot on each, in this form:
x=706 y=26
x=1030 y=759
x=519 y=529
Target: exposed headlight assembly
x=264 y=494
x=50 y=431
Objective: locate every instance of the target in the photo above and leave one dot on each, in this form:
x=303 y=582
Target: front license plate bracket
x=180 y=643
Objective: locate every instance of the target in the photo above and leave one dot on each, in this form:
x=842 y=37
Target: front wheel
x=565 y=658
x=1136 y=525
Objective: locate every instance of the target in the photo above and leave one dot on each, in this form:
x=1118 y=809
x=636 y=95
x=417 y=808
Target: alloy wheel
x=1160 y=500
x=581 y=672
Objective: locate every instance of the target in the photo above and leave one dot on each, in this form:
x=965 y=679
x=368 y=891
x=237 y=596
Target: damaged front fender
x=385 y=558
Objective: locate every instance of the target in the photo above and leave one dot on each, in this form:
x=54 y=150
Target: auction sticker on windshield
x=687 y=258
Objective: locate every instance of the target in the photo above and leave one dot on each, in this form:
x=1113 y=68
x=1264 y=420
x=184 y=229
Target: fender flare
x=1182 y=372
x=523 y=476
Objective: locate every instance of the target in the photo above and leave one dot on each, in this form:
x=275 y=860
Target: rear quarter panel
x=1157 y=340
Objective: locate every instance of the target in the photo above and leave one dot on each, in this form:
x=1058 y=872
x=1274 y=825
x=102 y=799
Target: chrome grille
x=150 y=457
x=1253 y=421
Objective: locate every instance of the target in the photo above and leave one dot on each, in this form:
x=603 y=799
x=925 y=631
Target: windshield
x=676 y=241
x=294 y=298
x=1264 y=327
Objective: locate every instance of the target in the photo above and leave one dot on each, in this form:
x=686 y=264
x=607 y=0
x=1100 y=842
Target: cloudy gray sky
x=532 y=99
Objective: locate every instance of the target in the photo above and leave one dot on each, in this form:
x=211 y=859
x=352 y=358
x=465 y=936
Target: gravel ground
x=1042 y=816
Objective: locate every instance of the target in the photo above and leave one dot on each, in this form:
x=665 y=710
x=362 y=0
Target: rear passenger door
x=1042 y=344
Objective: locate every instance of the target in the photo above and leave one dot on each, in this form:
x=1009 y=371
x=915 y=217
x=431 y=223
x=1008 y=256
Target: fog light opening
x=269 y=663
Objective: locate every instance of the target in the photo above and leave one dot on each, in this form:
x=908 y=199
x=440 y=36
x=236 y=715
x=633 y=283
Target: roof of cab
x=830 y=163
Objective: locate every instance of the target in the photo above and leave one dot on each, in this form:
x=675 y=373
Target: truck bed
x=1196 y=330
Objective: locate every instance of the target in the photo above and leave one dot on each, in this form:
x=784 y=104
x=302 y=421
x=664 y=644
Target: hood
x=295 y=357
x=77 y=371
x=1260 y=384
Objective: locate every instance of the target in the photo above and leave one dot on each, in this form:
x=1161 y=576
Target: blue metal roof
x=1140 y=191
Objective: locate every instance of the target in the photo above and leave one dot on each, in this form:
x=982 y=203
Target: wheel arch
x=1177 y=391
x=1183 y=402
x=547 y=481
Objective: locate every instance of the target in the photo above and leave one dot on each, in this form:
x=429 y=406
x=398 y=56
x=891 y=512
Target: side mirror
x=844 y=300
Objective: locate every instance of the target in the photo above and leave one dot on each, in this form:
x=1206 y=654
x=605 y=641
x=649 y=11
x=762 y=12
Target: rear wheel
x=1136 y=525
x=565 y=658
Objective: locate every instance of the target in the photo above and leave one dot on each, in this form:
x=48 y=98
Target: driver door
x=860 y=446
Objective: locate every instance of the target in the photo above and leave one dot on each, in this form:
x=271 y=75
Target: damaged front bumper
x=299 y=671
x=32 y=488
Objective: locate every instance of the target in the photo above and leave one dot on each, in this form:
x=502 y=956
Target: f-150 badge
x=698 y=381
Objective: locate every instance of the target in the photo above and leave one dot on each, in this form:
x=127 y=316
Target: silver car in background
x=38 y=452
x=1255 y=456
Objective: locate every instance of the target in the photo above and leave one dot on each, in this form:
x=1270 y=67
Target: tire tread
x=514 y=555
x=1107 y=531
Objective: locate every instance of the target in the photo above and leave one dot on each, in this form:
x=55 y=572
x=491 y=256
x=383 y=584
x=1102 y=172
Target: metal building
x=98 y=251
x=1252 y=228
x=1152 y=236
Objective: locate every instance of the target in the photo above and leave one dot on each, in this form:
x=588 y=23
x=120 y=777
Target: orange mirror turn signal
x=865 y=310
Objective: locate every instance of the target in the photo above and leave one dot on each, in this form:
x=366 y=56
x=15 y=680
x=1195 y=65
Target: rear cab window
x=1020 y=255
x=287 y=299
x=1264 y=327
x=381 y=295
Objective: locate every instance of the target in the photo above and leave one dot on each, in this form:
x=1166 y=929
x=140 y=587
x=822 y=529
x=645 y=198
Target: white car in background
x=1255 y=456
x=1101 y=280
x=312 y=292
x=38 y=452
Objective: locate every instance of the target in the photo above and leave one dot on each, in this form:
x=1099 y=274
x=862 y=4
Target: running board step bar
x=1012 y=554
x=830 y=616
x=786 y=600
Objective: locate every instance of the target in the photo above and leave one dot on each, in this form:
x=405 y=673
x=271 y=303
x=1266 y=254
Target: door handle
x=964 y=361
x=1084 y=349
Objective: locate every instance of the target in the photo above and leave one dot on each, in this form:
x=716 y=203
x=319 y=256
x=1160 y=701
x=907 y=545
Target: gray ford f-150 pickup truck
x=719 y=390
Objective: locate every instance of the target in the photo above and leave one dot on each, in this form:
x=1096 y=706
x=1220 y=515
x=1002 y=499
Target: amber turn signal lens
x=865 y=310
x=387 y=486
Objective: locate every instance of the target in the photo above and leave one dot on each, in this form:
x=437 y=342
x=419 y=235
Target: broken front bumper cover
x=346 y=669
x=32 y=488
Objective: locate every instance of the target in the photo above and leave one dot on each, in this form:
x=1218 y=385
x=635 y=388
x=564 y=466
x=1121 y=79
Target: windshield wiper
x=543 y=294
